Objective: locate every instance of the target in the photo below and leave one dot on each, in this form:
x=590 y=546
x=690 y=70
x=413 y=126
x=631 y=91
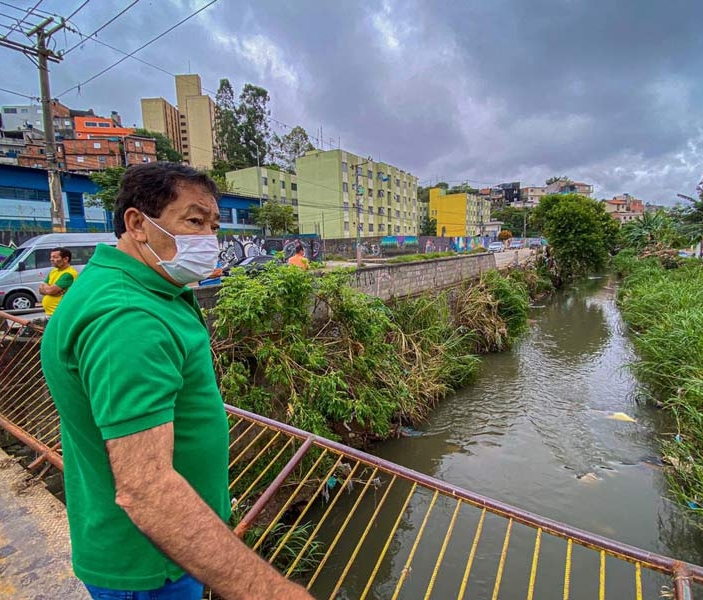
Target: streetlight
x=258 y=167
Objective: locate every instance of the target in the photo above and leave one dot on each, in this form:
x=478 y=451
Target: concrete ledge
x=35 y=548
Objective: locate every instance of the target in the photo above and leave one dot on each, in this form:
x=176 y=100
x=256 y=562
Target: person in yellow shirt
x=298 y=259
x=59 y=279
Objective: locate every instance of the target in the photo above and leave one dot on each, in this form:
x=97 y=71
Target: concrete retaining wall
x=398 y=280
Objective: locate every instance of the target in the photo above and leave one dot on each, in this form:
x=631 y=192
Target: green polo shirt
x=127 y=351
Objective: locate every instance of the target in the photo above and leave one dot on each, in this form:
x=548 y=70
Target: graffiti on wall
x=234 y=249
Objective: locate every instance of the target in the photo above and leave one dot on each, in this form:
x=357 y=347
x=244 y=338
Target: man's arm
x=64 y=282
x=164 y=506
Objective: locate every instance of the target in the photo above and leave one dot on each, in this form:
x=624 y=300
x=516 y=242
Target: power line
x=99 y=29
x=18 y=94
x=78 y=86
x=24 y=18
x=75 y=12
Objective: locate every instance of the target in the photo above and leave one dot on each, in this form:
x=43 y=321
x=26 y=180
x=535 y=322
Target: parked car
x=535 y=243
x=254 y=264
x=496 y=247
x=515 y=244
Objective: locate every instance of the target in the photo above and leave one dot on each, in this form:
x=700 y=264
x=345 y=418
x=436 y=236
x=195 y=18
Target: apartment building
x=624 y=208
x=531 y=195
x=566 y=186
x=265 y=183
x=190 y=125
x=340 y=193
x=161 y=116
x=92 y=127
x=460 y=214
x=93 y=154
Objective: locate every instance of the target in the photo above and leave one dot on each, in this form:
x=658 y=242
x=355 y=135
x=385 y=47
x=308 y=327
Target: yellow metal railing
x=350 y=525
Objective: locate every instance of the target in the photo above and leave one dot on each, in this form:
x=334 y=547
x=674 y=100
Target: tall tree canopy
x=242 y=131
x=579 y=231
x=164 y=147
x=287 y=148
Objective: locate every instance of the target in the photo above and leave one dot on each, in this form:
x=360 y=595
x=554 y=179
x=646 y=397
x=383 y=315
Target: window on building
x=345 y=206
x=344 y=167
x=370 y=210
x=137 y=144
x=359 y=170
x=24 y=110
x=264 y=181
x=9 y=111
x=294 y=202
x=345 y=186
x=370 y=227
x=67 y=123
x=397 y=182
x=264 y=196
x=397 y=228
x=369 y=173
x=96 y=145
x=294 y=187
x=380 y=193
x=382 y=227
x=18 y=193
x=283 y=184
x=104 y=125
x=283 y=199
x=397 y=214
x=102 y=159
x=90 y=124
x=80 y=159
x=225 y=215
x=346 y=225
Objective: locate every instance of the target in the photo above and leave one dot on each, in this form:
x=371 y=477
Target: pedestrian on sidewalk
x=298 y=259
x=145 y=435
x=59 y=279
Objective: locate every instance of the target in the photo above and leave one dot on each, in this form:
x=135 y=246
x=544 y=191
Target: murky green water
x=534 y=431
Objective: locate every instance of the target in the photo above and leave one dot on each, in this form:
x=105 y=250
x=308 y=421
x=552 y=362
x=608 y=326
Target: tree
x=464 y=188
x=227 y=134
x=289 y=147
x=580 y=233
x=274 y=216
x=555 y=179
x=428 y=226
x=109 y=183
x=504 y=234
x=650 y=229
x=253 y=116
x=164 y=147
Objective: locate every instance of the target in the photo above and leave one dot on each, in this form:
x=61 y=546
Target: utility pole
x=43 y=56
x=358 y=215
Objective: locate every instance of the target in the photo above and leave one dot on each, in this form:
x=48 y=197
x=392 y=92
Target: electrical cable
x=23 y=19
x=99 y=29
x=105 y=70
x=19 y=94
x=75 y=12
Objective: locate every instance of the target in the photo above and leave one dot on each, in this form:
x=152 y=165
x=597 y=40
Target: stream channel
x=534 y=431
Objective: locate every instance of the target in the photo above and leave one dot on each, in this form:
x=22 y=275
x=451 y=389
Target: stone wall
x=400 y=279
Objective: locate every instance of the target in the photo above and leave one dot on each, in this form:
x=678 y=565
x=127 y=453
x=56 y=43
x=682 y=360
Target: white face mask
x=195 y=259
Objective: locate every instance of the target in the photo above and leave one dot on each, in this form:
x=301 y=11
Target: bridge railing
x=348 y=524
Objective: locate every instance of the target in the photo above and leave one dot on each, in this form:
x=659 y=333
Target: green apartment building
x=339 y=191
x=265 y=183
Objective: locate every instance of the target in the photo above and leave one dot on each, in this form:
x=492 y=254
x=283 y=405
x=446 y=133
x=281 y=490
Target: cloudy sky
x=605 y=91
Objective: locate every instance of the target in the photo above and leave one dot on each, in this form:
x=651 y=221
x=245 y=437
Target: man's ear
x=134 y=224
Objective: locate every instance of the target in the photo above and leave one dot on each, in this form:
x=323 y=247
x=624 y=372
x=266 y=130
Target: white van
x=28 y=265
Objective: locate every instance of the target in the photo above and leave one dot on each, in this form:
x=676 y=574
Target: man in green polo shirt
x=143 y=428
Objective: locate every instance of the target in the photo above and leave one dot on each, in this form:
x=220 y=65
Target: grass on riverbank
x=664 y=308
x=318 y=354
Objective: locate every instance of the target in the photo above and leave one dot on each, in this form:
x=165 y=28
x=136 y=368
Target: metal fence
x=347 y=524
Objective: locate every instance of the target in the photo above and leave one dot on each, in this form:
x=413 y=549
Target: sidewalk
x=35 y=550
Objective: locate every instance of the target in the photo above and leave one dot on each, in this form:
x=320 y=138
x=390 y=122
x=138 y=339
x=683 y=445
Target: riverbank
x=317 y=353
x=662 y=302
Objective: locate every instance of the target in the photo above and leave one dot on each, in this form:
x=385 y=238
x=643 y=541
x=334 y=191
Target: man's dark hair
x=64 y=252
x=299 y=248
x=153 y=186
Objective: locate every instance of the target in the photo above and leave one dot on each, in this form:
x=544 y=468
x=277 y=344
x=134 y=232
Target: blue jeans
x=185 y=588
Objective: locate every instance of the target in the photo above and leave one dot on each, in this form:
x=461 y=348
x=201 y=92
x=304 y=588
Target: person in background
x=144 y=432
x=298 y=259
x=59 y=279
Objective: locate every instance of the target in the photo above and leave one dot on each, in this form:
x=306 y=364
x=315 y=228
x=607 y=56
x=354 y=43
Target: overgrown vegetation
x=663 y=307
x=316 y=353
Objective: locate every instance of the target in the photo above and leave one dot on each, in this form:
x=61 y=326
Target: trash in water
x=621 y=416
x=588 y=477
x=410 y=432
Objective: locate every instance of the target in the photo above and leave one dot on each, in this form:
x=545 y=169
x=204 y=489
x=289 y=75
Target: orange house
x=87 y=128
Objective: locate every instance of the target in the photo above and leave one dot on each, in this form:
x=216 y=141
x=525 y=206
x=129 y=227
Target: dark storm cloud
x=488 y=91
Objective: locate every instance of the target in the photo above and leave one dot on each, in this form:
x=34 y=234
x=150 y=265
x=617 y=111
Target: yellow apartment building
x=460 y=214
x=161 y=116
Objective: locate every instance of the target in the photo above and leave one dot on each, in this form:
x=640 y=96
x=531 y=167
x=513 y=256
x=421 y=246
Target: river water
x=534 y=431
